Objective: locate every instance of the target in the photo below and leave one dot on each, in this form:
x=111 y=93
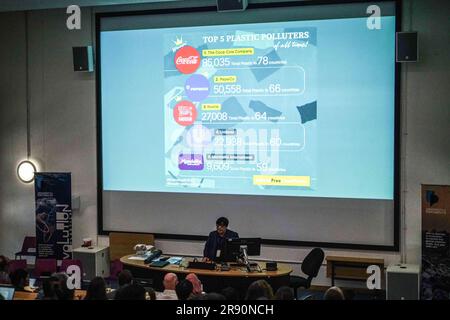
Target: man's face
x=221 y=228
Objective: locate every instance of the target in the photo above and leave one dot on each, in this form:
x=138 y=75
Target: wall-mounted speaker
x=231 y=5
x=407 y=49
x=83 y=59
x=403 y=282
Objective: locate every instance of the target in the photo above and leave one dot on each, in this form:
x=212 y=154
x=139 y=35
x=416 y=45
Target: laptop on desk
x=7 y=292
x=201 y=265
x=240 y=264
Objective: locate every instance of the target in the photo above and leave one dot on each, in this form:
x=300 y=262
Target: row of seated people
x=191 y=288
x=188 y=289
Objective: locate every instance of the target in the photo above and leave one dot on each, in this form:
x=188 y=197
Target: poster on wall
x=53 y=196
x=435 y=284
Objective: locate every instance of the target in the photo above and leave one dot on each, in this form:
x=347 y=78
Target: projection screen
x=282 y=118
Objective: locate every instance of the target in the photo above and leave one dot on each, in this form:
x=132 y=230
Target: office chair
x=17 y=264
x=310 y=266
x=45 y=267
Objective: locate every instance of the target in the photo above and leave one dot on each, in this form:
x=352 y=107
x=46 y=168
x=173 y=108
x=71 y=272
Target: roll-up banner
x=435 y=281
x=53 y=195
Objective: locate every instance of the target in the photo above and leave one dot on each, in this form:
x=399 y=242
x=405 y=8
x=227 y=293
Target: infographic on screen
x=297 y=108
x=236 y=113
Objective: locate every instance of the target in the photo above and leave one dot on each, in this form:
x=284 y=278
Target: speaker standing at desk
x=216 y=239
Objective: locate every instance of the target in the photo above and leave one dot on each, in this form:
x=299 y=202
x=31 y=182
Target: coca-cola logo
x=187 y=59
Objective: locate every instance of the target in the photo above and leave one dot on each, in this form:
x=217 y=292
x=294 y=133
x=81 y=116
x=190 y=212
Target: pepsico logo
x=187 y=59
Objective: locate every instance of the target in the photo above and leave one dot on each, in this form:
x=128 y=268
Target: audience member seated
x=230 y=294
x=196 y=283
x=4 y=276
x=55 y=288
x=124 y=278
x=259 y=289
x=48 y=289
x=170 y=282
x=96 y=290
x=61 y=289
x=334 y=293
x=19 y=279
x=184 y=289
x=133 y=291
x=284 y=293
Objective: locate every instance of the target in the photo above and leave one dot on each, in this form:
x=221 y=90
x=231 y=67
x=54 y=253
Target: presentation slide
x=296 y=108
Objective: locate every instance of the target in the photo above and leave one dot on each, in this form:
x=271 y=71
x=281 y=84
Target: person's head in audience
x=184 y=289
x=19 y=279
x=230 y=293
x=196 y=283
x=4 y=276
x=284 y=293
x=170 y=281
x=132 y=291
x=96 y=289
x=334 y=293
x=258 y=289
x=4 y=262
x=61 y=290
x=125 y=277
x=48 y=288
x=151 y=293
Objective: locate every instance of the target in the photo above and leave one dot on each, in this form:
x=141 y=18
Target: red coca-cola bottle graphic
x=187 y=59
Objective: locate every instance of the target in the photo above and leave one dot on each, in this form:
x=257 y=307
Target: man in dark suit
x=217 y=239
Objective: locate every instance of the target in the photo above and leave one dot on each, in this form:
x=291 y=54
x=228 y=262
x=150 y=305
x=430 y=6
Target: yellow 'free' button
x=290 y=181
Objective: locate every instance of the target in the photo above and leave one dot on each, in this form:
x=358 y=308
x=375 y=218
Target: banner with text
x=435 y=282
x=53 y=195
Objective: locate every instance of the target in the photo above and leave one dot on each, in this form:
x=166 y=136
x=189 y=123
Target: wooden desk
x=24 y=295
x=350 y=268
x=213 y=280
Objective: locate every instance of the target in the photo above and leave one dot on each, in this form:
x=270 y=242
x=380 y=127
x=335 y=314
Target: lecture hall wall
x=63 y=125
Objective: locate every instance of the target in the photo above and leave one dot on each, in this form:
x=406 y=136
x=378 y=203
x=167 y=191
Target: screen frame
x=395 y=247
